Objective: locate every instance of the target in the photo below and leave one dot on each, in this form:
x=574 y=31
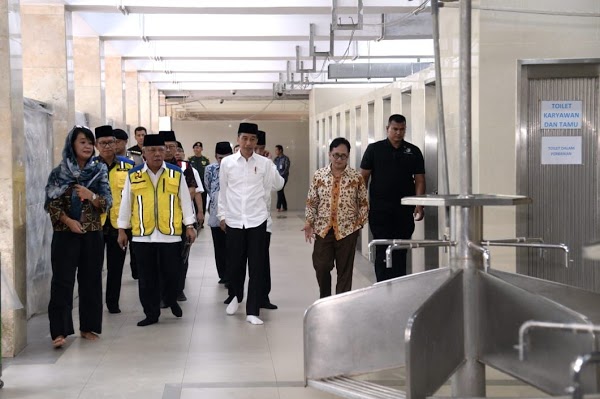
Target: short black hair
x=198 y=144
x=179 y=145
x=397 y=118
x=337 y=142
x=139 y=128
x=86 y=132
x=279 y=147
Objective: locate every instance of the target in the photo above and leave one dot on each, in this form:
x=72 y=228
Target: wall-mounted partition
x=358 y=138
x=386 y=110
x=371 y=122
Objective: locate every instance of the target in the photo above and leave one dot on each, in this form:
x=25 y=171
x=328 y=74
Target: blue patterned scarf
x=68 y=174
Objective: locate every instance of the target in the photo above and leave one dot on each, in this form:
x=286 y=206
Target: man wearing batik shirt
x=211 y=179
x=336 y=210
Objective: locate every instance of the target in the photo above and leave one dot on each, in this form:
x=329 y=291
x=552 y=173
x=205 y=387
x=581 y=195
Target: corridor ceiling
x=205 y=54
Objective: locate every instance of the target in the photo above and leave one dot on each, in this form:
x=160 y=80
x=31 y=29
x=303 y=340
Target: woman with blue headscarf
x=77 y=194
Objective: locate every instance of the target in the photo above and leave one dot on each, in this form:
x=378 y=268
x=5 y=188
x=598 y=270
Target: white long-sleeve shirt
x=200 y=188
x=243 y=184
x=124 y=220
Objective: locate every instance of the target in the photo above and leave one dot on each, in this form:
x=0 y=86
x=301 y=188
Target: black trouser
x=281 y=201
x=220 y=245
x=267 y=281
x=203 y=195
x=158 y=262
x=264 y=298
x=115 y=258
x=247 y=245
x=398 y=224
x=71 y=254
x=185 y=257
x=132 y=260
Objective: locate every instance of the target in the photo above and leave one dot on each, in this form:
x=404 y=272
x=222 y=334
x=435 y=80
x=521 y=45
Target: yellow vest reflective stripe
x=116 y=181
x=151 y=205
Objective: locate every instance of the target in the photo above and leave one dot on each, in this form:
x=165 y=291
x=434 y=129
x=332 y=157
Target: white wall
x=293 y=136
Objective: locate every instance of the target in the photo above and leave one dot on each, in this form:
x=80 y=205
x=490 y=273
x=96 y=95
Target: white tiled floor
x=206 y=354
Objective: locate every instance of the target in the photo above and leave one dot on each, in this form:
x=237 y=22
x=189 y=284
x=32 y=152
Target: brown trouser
x=325 y=252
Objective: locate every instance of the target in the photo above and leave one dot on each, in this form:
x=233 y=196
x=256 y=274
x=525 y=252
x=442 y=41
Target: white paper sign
x=561 y=150
x=561 y=114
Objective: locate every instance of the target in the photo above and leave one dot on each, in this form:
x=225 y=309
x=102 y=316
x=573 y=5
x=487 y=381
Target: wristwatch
x=189 y=226
x=94 y=196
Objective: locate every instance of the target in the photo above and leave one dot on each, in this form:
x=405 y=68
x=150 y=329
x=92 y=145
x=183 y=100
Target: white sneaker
x=232 y=307
x=254 y=320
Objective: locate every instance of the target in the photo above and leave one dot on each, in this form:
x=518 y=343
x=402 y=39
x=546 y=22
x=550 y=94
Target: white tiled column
x=12 y=175
x=89 y=93
x=47 y=72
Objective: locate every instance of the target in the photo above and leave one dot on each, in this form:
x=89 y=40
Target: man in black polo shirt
x=396 y=169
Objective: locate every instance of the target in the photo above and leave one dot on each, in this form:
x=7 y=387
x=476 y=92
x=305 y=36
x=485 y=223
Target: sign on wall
x=561 y=150
x=561 y=114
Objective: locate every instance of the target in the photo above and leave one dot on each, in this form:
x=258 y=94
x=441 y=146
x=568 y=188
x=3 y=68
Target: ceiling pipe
x=311 y=43
x=300 y=64
x=340 y=26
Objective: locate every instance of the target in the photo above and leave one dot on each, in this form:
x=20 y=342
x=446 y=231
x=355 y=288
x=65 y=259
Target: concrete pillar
x=132 y=100
x=154 y=109
x=47 y=70
x=114 y=93
x=89 y=93
x=145 y=109
x=12 y=176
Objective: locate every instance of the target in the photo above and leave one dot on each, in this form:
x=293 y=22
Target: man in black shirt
x=396 y=169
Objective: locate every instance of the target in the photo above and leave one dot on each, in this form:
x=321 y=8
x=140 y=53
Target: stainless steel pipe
x=412 y=245
x=562 y=247
x=528 y=325
x=374 y=243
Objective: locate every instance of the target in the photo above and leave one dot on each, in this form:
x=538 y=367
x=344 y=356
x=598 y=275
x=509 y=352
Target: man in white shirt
x=155 y=204
x=244 y=178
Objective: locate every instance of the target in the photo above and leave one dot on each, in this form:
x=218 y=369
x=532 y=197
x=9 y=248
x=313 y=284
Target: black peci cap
x=121 y=134
x=262 y=138
x=167 y=135
x=153 y=140
x=104 y=131
x=223 y=148
x=248 y=128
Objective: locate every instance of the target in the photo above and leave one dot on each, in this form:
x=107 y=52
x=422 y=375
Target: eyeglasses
x=171 y=146
x=105 y=144
x=343 y=157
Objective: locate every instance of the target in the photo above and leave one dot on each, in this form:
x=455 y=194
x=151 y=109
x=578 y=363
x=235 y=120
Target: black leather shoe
x=181 y=297
x=268 y=305
x=147 y=322
x=222 y=281
x=176 y=310
x=114 y=310
x=163 y=305
x=229 y=299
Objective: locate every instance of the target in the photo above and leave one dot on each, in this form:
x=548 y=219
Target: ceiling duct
x=375 y=71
